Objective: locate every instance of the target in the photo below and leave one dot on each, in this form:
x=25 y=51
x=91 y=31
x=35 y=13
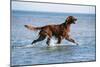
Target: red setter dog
x=60 y=31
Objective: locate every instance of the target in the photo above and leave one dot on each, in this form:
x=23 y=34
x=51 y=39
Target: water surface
x=83 y=32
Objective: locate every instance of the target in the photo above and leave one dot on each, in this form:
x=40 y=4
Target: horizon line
x=51 y=12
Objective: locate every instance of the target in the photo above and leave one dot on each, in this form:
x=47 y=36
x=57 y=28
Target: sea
x=23 y=53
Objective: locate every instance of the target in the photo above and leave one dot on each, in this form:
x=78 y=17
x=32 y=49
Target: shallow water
x=24 y=54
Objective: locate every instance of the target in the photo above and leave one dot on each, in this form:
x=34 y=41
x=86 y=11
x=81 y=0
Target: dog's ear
x=69 y=19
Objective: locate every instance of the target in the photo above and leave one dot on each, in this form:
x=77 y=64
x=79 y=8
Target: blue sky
x=45 y=7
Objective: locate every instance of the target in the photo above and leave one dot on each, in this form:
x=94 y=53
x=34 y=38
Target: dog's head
x=71 y=19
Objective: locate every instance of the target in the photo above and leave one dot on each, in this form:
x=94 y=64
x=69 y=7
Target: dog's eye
x=75 y=19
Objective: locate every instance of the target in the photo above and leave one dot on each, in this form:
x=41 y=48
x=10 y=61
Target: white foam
x=29 y=45
x=26 y=46
x=52 y=42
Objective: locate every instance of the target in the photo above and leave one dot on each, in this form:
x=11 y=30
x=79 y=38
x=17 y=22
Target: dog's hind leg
x=42 y=36
x=39 y=39
x=48 y=41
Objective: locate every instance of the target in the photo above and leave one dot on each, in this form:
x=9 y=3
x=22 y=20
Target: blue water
x=83 y=32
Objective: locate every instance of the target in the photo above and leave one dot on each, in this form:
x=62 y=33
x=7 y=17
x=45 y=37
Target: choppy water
x=83 y=32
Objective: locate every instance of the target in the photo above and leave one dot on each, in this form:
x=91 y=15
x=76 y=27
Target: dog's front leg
x=59 y=40
x=71 y=40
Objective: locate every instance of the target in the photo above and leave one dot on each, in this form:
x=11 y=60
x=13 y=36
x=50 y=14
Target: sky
x=48 y=7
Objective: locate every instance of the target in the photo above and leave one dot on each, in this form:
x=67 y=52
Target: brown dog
x=60 y=31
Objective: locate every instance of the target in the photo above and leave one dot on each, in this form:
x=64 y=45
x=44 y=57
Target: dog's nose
x=25 y=25
x=75 y=19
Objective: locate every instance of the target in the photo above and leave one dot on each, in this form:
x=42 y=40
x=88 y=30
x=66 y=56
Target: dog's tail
x=30 y=27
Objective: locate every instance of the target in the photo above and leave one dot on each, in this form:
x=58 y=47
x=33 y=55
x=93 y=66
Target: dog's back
x=51 y=30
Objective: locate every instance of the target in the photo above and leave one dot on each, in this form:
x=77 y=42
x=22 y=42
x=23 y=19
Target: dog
x=60 y=31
